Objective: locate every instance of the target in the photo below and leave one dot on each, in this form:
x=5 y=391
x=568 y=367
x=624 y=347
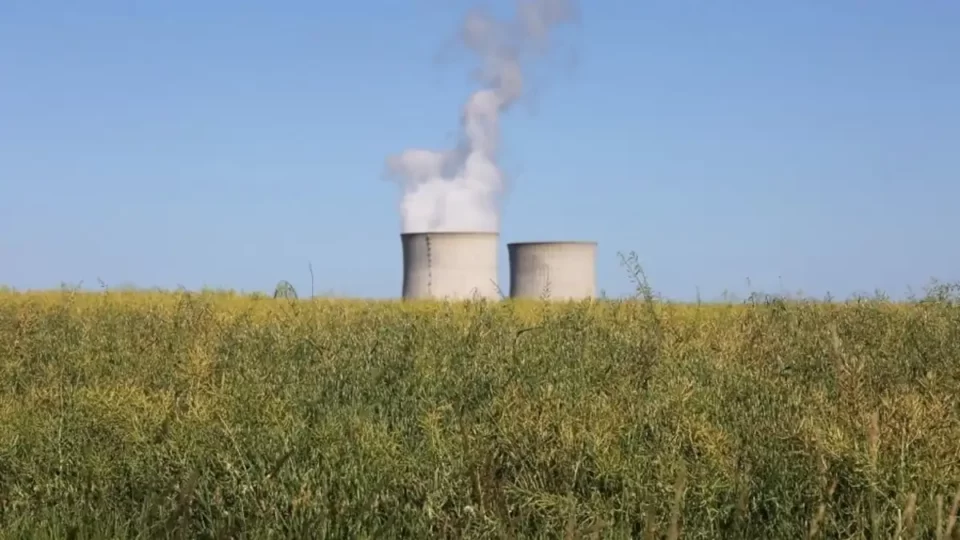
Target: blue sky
x=809 y=146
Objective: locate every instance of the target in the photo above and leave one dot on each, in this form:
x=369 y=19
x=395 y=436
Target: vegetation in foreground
x=206 y=416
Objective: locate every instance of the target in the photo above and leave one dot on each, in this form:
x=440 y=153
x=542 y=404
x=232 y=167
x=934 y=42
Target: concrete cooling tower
x=450 y=265
x=555 y=270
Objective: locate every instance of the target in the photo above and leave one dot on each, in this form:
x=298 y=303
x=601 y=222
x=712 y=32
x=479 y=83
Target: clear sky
x=809 y=146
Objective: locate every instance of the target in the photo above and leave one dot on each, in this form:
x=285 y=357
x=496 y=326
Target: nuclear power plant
x=460 y=188
x=450 y=265
x=463 y=265
x=553 y=270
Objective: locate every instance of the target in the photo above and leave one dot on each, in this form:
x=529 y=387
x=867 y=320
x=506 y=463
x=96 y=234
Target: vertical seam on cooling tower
x=429 y=268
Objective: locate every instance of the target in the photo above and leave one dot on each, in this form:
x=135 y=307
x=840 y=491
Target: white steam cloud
x=459 y=189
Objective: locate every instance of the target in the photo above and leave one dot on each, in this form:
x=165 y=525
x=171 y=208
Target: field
x=218 y=416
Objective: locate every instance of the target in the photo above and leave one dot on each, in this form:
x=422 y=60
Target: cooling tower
x=450 y=265
x=555 y=270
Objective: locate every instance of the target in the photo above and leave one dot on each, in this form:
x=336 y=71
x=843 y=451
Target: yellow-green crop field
x=136 y=415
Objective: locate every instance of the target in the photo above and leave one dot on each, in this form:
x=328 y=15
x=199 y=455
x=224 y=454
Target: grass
x=218 y=416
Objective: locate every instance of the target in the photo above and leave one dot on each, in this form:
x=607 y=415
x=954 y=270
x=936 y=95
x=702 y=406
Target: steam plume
x=459 y=189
